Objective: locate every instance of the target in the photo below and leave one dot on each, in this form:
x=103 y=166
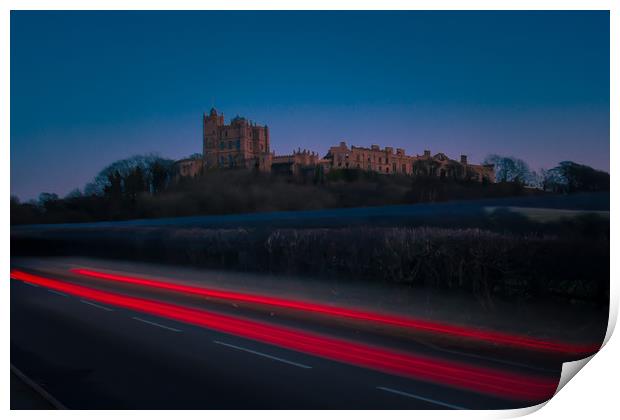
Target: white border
x=593 y=394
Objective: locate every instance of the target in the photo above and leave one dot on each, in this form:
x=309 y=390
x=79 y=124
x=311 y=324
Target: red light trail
x=415 y=324
x=482 y=380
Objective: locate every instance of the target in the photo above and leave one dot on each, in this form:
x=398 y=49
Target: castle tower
x=240 y=144
x=210 y=132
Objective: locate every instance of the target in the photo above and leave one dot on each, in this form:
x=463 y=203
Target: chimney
x=464 y=159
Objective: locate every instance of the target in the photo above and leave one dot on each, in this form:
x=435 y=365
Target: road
x=92 y=355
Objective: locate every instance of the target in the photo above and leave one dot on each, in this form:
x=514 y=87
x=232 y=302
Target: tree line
x=566 y=177
x=144 y=186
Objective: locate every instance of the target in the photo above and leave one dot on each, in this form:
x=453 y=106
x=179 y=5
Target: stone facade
x=301 y=161
x=240 y=144
x=387 y=161
x=243 y=144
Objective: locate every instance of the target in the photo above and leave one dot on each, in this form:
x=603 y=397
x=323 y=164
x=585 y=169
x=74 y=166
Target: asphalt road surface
x=89 y=355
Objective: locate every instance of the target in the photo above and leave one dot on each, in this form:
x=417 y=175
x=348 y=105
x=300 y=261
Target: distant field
x=546 y=215
x=473 y=213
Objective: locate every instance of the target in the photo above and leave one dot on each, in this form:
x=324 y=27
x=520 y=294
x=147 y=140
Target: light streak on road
x=489 y=381
x=493 y=337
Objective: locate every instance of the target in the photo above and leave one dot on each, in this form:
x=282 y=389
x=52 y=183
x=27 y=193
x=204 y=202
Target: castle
x=244 y=144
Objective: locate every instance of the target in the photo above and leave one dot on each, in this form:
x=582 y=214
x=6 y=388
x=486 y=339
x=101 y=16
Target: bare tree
x=510 y=169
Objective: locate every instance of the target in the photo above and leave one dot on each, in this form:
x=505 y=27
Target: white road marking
x=155 y=324
x=42 y=392
x=57 y=293
x=417 y=397
x=30 y=284
x=97 y=306
x=263 y=355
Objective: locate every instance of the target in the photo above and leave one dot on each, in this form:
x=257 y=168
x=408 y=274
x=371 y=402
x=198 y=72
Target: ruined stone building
x=295 y=164
x=387 y=161
x=243 y=144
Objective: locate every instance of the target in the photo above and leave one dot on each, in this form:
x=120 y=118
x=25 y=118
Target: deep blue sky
x=88 y=88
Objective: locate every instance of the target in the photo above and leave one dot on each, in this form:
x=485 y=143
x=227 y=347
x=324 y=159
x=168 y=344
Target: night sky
x=88 y=88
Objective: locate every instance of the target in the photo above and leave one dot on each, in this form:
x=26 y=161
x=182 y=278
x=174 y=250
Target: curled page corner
x=518 y=412
x=570 y=369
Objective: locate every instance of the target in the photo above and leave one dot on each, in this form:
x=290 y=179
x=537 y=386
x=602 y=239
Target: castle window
x=387 y=170
x=221 y=145
x=238 y=144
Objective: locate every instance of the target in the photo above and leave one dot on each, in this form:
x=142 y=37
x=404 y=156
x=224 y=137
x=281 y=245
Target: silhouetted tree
x=114 y=188
x=46 y=200
x=319 y=175
x=159 y=177
x=573 y=177
x=510 y=169
x=75 y=193
x=134 y=184
x=125 y=167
